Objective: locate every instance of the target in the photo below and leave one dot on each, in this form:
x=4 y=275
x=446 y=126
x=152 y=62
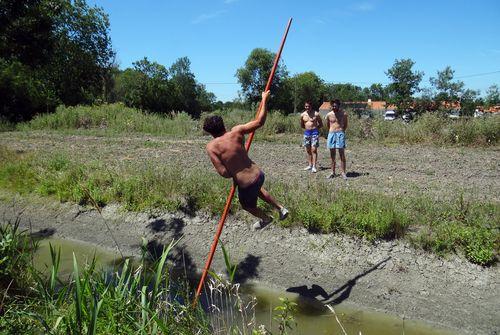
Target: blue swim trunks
x=311 y=138
x=336 y=140
x=248 y=195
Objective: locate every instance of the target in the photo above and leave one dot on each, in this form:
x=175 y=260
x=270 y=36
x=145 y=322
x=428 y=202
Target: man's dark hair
x=335 y=102
x=214 y=125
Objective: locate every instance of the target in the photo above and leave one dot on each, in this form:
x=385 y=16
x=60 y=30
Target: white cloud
x=364 y=7
x=207 y=16
x=319 y=21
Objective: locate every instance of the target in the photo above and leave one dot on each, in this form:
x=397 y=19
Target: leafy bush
x=113 y=118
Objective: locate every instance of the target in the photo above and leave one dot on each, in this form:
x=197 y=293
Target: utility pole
x=295 y=94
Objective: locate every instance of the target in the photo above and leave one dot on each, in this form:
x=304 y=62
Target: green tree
x=26 y=47
x=468 y=102
x=185 y=87
x=302 y=87
x=152 y=87
x=22 y=92
x=492 y=96
x=83 y=55
x=377 y=92
x=254 y=74
x=448 y=90
x=425 y=102
x=146 y=87
x=205 y=99
x=404 y=83
x=346 y=92
x=27 y=31
x=62 y=47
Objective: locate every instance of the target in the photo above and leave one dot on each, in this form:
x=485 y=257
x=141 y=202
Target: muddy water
x=312 y=317
x=84 y=253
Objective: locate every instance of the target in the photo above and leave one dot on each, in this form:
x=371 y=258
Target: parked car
x=408 y=115
x=390 y=115
x=454 y=114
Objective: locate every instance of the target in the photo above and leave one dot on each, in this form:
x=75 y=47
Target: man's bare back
x=232 y=155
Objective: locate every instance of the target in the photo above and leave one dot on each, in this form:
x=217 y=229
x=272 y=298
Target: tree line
x=51 y=52
x=56 y=52
x=404 y=85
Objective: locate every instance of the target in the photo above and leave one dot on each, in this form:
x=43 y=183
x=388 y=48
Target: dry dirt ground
x=397 y=170
x=386 y=276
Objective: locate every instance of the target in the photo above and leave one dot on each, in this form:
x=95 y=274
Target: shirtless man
x=336 y=122
x=230 y=159
x=311 y=122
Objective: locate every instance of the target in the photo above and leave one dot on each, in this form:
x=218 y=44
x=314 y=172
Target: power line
x=368 y=82
x=478 y=74
x=220 y=83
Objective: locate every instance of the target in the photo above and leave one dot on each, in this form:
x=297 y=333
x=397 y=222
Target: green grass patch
x=15 y=251
x=441 y=226
x=6 y=125
x=460 y=226
x=346 y=211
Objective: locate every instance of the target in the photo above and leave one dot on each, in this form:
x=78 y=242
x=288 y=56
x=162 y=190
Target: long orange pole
x=220 y=226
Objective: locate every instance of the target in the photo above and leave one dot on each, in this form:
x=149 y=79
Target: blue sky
x=342 y=41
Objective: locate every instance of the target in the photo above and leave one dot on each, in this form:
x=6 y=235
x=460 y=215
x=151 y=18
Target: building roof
x=373 y=105
x=382 y=105
x=325 y=106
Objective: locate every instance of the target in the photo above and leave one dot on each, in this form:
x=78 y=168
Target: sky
x=341 y=41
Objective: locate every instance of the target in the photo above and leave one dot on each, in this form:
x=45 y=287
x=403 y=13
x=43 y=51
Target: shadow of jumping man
x=342 y=293
x=181 y=260
x=247 y=269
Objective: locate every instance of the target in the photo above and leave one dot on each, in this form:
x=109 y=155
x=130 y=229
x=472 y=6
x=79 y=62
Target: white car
x=390 y=115
x=478 y=113
x=454 y=114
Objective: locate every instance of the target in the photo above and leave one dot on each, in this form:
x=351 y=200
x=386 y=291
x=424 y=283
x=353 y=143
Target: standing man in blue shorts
x=311 y=122
x=336 y=122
